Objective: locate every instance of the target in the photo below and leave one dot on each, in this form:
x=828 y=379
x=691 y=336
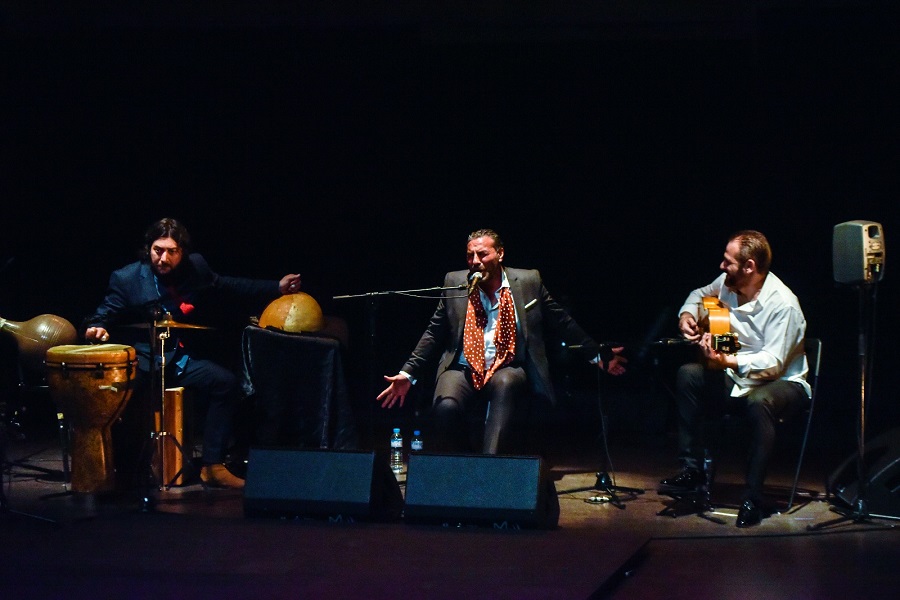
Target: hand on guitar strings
x=689 y=327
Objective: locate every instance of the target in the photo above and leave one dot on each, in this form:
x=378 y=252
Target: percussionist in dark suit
x=169 y=280
x=490 y=341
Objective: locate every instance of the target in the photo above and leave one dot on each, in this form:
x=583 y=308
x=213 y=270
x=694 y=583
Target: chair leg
x=800 y=458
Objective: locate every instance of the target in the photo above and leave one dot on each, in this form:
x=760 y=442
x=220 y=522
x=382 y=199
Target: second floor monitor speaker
x=858 y=252
x=480 y=490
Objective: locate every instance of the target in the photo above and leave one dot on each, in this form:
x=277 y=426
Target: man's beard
x=173 y=275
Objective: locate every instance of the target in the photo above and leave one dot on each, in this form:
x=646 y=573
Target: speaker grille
x=321 y=483
x=480 y=490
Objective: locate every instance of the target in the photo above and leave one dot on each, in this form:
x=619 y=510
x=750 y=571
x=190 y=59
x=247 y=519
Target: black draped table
x=297 y=384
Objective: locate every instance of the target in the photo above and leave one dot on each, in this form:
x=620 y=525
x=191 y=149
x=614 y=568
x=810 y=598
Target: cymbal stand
x=159 y=435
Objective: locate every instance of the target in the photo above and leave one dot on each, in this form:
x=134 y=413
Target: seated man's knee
x=689 y=374
x=760 y=405
x=507 y=383
x=446 y=407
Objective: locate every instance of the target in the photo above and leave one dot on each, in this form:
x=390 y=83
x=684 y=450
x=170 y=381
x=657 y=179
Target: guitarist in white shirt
x=760 y=372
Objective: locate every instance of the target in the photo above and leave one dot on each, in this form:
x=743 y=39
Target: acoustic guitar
x=715 y=319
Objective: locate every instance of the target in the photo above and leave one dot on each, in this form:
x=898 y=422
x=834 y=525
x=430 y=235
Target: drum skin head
x=91 y=354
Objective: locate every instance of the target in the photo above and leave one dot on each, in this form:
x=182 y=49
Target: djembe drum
x=91 y=385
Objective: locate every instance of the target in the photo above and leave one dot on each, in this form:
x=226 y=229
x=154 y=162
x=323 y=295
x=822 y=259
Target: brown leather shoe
x=218 y=475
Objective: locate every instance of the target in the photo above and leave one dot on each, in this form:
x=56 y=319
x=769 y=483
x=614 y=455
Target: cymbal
x=168 y=323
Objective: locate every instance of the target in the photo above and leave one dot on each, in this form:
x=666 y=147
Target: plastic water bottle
x=396 y=451
x=708 y=470
x=415 y=444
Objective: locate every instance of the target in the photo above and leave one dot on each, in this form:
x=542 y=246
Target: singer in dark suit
x=489 y=337
x=172 y=282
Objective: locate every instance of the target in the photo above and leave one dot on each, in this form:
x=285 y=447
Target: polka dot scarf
x=504 y=336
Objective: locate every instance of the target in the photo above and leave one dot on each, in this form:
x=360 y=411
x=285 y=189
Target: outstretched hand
x=617 y=363
x=396 y=392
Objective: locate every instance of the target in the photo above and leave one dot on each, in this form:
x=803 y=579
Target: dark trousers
x=217 y=386
x=460 y=412
x=214 y=390
x=703 y=397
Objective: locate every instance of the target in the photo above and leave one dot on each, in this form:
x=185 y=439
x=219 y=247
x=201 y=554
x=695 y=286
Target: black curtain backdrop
x=613 y=151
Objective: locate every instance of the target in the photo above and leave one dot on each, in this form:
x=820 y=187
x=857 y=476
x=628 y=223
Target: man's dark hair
x=170 y=228
x=498 y=243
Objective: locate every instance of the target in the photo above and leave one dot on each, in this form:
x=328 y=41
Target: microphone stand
x=371 y=313
x=370 y=295
x=605 y=482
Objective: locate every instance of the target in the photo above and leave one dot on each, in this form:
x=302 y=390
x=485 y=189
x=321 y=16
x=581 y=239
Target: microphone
x=474 y=278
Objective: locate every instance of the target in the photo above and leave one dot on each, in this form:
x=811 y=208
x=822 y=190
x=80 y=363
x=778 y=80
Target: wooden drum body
x=91 y=385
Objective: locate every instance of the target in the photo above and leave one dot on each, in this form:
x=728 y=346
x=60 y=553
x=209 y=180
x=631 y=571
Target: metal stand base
x=605 y=484
x=4 y=467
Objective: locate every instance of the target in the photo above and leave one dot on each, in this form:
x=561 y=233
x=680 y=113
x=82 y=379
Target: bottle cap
x=416 y=432
x=396 y=430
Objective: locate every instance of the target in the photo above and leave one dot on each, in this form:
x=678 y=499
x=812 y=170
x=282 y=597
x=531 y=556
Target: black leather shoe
x=749 y=514
x=688 y=478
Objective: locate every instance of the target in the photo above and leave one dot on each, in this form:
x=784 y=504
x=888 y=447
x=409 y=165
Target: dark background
x=614 y=147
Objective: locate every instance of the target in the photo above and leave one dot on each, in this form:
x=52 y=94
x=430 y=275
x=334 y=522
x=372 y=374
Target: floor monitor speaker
x=480 y=490
x=338 y=485
x=881 y=466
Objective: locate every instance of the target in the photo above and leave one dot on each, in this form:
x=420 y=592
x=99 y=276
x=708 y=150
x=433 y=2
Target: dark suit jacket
x=132 y=296
x=536 y=310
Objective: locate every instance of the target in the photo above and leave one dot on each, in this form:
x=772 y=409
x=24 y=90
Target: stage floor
x=195 y=543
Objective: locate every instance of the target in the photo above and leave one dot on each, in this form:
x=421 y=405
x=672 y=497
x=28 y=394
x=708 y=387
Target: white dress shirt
x=770 y=330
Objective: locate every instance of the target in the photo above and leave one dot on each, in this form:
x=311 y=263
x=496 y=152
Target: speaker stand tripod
x=859 y=511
